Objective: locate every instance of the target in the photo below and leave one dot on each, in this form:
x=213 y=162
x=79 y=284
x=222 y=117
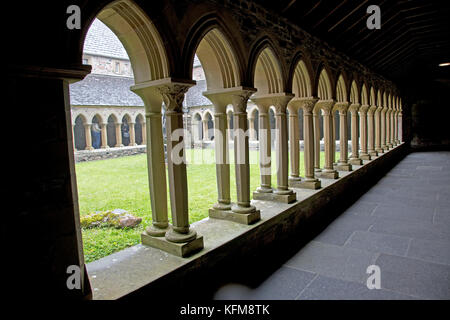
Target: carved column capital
x=372 y=110
x=325 y=105
x=239 y=100
x=341 y=106
x=364 y=109
x=354 y=107
x=173 y=95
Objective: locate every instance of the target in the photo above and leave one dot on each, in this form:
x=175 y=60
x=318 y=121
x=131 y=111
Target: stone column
x=400 y=126
x=327 y=106
x=205 y=130
x=396 y=127
x=251 y=129
x=132 y=134
x=282 y=149
x=294 y=143
x=391 y=133
x=88 y=136
x=118 y=135
x=380 y=129
x=144 y=132
x=371 y=131
x=220 y=101
x=343 y=164
x=354 y=157
x=333 y=130
x=152 y=135
x=73 y=137
x=385 y=129
x=265 y=157
x=243 y=210
x=364 y=155
x=307 y=104
x=316 y=123
x=230 y=131
x=104 y=135
x=173 y=96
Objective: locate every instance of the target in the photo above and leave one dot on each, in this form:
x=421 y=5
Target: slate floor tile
x=414 y=277
x=326 y=288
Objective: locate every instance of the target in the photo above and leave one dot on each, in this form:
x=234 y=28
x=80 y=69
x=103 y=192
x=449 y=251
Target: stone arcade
x=249 y=55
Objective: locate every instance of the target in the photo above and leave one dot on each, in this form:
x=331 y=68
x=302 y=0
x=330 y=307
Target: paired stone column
x=327 y=106
x=400 y=126
x=118 y=134
x=88 y=136
x=371 y=131
x=354 y=157
x=307 y=104
x=104 y=134
x=363 y=110
x=333 y=130
x=243 y=210
x=132 y=134
x=385 y=129
x=316 y=123
x=265 y=157
x=282 y=193
x=179 y=239
x=281 y=144
x=343 y=164
x=220 y=101
x=380 y=127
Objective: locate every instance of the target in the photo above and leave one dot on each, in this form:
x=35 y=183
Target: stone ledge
x=178 y=249
x=271 y=196
x=144 y=271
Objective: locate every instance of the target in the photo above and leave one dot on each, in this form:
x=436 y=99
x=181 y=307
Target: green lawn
x=123 y=183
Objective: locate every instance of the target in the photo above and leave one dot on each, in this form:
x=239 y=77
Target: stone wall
x=100 y=154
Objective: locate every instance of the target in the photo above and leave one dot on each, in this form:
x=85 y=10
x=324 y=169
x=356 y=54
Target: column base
x=242 y=218
x=355 y=161
x=317 y=170
x=380 y=150
x=373 y=154
x=284 y=198
x=344 y=167
x=329 y=174
x=306 y=184
x=391 y=146
x=183 y=249
x=365 y=156
x=294 y=179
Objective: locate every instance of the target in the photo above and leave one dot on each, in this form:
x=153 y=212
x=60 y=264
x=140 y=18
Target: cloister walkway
x=402 y=225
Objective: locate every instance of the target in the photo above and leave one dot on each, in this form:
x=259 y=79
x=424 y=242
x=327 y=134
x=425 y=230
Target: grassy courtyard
x=123 y=183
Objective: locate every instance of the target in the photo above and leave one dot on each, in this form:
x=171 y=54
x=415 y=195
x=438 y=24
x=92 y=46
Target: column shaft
x=364 y=155
x=132 y=134
x=294 y=141
x=316 y=123
x=118 y=135
x=88 y=136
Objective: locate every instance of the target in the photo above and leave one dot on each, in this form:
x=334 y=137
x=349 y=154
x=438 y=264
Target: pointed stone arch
x=301 y=80
x=372 y=96
x=364 y=95
x=341 y=89
x=140 y=39
x=354 y=93
x=218 y=60
x=324 y=85
x=266 y=70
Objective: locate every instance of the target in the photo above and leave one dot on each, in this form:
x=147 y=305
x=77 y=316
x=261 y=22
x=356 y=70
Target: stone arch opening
x=96 y=132
x=267 y=73
x=219 y=62
x=111 y=131
x=79 y=132
x=301 y=84
x=140 y=129
x=125 y=129
x=324 y=89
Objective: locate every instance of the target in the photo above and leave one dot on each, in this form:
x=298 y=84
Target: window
x=85 y=61
x=117 y=69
